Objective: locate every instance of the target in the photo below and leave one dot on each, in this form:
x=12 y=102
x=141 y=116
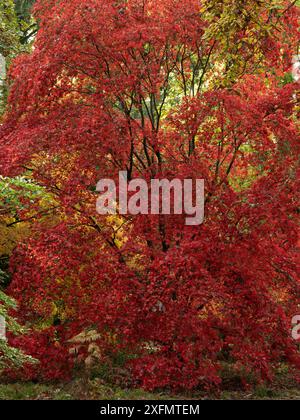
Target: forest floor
x=97 y=390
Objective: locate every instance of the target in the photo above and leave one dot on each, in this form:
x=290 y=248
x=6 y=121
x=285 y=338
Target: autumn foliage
x=166 y=88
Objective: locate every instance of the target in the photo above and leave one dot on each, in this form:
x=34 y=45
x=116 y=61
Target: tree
x=27 y=25
x=8 y=25
x=11 y=357
x=23 y=9
x=16 y=26
x=14 y=197
x=9 y=47
x=8 y=44
x=166 y=89
x=17 y=29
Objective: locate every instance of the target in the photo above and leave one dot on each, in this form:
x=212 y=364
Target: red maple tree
x=160 y=89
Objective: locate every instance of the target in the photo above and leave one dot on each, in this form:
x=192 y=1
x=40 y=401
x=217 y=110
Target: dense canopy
x=160 y=89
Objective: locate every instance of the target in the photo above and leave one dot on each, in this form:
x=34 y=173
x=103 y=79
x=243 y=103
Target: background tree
x=14 y=197
x=13 y=192
x=27 y=25
x=17 y=31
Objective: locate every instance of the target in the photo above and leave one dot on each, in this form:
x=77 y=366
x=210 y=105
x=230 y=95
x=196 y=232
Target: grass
x=97 y=390
x=75 y=390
